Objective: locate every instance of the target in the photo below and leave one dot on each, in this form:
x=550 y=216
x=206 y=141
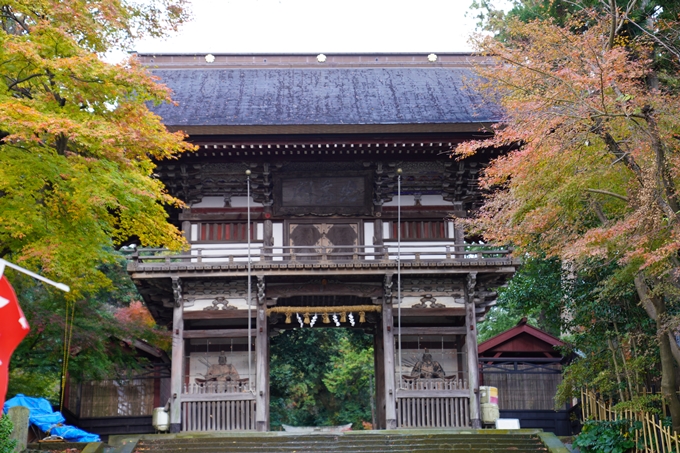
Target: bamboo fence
x=651 y=438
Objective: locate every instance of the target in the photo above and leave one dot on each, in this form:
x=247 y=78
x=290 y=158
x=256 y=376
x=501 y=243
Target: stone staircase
x=472 y=441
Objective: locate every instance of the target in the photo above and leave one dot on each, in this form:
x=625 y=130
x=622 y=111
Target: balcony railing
x=388 y=253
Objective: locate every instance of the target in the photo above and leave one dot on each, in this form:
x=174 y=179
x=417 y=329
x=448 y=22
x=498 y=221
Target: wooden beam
x=461 y=330
x=433 y=393
x=435 y=312
x=245 y=396
x=217 y=314
x=218 y=333
x=177 y=370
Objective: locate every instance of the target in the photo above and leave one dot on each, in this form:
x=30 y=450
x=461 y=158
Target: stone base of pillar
x=175 y=427
x=476 y=423
x=261 y=426
x=391 y=424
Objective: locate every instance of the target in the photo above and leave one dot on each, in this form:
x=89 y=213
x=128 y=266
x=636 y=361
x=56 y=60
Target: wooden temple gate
x=210 y=316
x=301 y=203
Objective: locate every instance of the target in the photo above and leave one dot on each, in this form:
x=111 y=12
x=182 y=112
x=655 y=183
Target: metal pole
x=399 y=265
x=250 y=371
x=4 y=263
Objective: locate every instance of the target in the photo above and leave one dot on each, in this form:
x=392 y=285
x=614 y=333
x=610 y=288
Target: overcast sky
x=321 y=26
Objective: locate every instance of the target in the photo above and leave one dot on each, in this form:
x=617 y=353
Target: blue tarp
x=41 y=415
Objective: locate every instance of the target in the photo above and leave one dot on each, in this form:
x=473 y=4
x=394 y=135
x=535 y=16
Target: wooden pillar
x=186 y=230
x=458 y=240
x=177 y=370
x=471 y=349
x=388 y=352
x=268 y=238
x=262 y=381
x=379 y=360
x=378 y=240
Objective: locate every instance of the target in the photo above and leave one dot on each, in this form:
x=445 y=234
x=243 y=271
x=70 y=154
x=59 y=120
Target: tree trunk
x=655 y=306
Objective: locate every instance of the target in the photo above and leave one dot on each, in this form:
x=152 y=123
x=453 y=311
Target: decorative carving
x=204 y=289
x=189 y=302
x=387 y=287
x=438 y=287
x=428 y=299
x=316 y=287
x=327 y=192
x=471 y=282
x=219 y=304
x=177 y=291
x=260 y=290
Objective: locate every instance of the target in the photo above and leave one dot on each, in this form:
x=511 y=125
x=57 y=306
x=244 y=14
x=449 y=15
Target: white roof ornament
x=321 y=58
x=432 y=57
x=210 y=58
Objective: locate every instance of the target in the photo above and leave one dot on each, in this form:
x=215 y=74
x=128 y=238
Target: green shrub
x=6 y=444
x=607 y=437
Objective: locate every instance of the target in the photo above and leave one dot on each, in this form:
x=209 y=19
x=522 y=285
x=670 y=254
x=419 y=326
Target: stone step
x=216 y=446
x=346 y=442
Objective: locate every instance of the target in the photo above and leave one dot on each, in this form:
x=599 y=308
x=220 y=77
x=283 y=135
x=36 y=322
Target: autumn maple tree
x=593 y=120
x=78 y=147
x=77 y=139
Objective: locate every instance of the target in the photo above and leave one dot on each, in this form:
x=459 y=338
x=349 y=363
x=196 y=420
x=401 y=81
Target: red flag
x=13 y=329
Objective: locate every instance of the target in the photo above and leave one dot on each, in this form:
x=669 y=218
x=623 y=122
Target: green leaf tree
x=78 y=149
x=78 y=141
x=321 y=377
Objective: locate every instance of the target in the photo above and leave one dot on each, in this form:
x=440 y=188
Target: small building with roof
x=525 y=365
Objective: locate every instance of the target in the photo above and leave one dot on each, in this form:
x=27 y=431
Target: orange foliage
x=136 y=314
x=597 y=170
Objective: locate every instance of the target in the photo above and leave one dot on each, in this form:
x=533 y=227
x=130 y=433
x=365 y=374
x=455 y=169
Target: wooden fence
x=218 y=415
x=433 y=412
x=651 y=438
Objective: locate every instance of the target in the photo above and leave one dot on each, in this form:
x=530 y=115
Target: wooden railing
x=238 y=386
x=653 y=437
x=409 y=383
x=321 y=254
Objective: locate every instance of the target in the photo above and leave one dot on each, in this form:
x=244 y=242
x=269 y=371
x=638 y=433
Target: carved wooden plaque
x=322 y=194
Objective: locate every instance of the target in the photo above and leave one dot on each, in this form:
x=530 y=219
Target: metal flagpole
x=399 y=264
x=250 y=371
x=4 y=263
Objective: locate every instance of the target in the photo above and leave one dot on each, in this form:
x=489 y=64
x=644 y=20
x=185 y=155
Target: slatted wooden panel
x=420 y=229
x=111 y=398
x=519 y=391
x=218 y=415
x=225 y=232
x=433 y=412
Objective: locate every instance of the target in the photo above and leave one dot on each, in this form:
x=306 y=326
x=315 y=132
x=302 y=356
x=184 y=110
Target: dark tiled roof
x=328 y=96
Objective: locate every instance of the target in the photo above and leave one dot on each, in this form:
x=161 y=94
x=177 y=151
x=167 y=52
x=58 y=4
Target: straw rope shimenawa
x=341 y=310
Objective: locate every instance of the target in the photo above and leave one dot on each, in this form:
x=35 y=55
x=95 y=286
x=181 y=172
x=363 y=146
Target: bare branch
x=606 y=192
x=654 y=37
x=17 y=82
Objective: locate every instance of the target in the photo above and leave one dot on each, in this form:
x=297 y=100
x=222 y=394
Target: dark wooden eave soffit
x=471 y=128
